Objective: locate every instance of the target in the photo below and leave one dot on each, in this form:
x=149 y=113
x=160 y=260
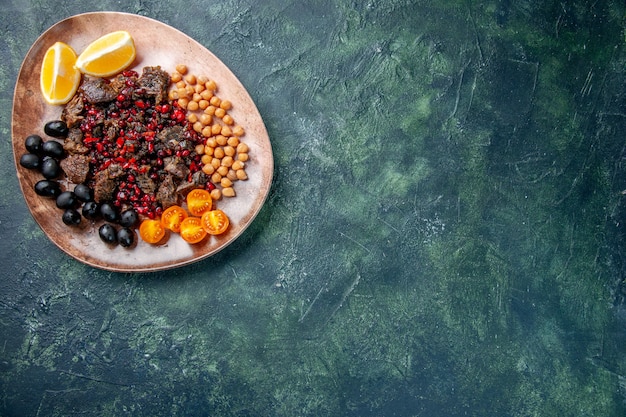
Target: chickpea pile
x=224 y=154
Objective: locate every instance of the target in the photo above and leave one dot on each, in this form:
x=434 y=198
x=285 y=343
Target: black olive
x=129 y=218
x=83 y=192
x=30 y=161
x=48 y=188
x=34 y=144
x=50 y=168
x=56 y=129
x=109 y=213
x=53 y=148
x=67 y=199
x=91 y=210
x=126 y=237
x=71 y=217
x=108 y=234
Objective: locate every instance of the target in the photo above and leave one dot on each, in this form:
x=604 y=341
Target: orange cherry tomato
x=172 y=217
x=199 y=201
x=215 y=222
x=151 y=231
x=191 y=230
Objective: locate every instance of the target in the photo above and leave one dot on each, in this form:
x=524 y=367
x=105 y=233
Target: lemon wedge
x=107 y=55
x=59 y=78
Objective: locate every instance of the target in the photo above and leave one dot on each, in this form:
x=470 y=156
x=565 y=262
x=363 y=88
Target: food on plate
x=141 y=149
x=191 y=230
x=215 y=222
x=107 y=55
x=151 y=231
x=173 y=217
x=59 y=77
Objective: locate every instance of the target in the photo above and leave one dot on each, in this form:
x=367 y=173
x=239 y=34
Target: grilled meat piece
x=155 y=81
x=198 y=180
x=166 y=194
x=176 y=166
x=72 y=113
x=76 y=168
x=73 y=144
x=97 y=90
x=104 y=186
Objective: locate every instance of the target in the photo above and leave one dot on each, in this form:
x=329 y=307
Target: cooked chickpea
x=216 y=194
x=196 y=97
x=206 y=159
x=183 y=102
x=229 y=150
x=242 y=148
x=227 y=161
x=218 y=152
x=199 y=88
x=176 y=77
x=211 y=85
x=220 y=112
x=222 y=170
x=197 y=126
x=199 y=149
x=238 y=131
x=226 y=131
x=206 y=119
x=208 y=151
x=216 y=101
x=228 y=192
x=210 y=110
x=206 y=95
x=181 y=84
x=216 y=162
x=206 y=131
x=208 y=169
x=203 y=104
x=190 y=79
x=243 y=157
x=182 y=93
x=192 y=117
x=221 y=140
x=216 y=178
x=202 y=79
x=232 y=175
x=233 y=141
x=225 y=182
x=211 y=142
x=228 y=119
x=216 y=128
x=241 y=174
x=226 y=104
x=181 y=69
x=173 y=95
x=192 y=105
x=237 y=165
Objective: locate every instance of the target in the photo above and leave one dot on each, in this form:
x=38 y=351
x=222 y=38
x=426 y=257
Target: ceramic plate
x=157 y=44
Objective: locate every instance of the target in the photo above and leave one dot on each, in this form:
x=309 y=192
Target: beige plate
x=157 y=44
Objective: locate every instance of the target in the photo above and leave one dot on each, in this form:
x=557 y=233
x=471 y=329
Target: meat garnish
x=137 y=149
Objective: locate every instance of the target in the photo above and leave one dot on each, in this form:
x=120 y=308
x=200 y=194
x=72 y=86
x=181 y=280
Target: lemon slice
x=59 y=78
x=107 y=55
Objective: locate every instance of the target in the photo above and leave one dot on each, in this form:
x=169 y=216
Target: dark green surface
x=444 y=235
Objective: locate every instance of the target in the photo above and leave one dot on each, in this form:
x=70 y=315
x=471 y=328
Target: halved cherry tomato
x=151 y=231
x=199 y=201
x=215 y=222
x=172 y=217
x=191 y=230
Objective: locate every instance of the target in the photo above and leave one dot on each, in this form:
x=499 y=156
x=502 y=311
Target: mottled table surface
x=444 y=236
